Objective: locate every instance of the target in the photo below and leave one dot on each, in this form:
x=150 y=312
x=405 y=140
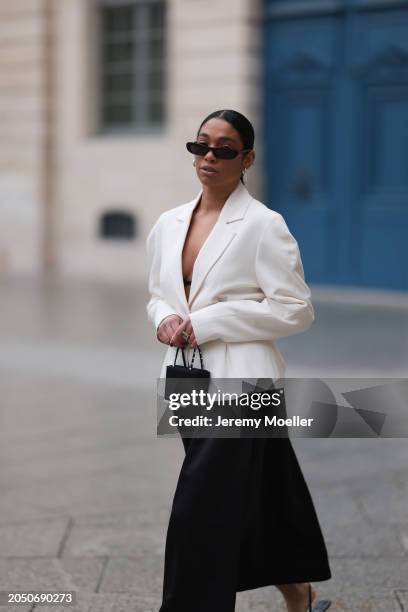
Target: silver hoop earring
x=194 y=163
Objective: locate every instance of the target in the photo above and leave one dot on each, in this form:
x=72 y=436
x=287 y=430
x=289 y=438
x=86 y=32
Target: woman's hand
x=167 y=327
x=178 y=338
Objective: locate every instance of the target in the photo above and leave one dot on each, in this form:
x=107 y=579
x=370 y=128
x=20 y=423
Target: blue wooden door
x=336 y=135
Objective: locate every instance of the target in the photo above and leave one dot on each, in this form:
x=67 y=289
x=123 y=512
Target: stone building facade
x=77 y=199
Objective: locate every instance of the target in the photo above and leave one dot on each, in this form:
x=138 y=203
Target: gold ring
x=185 y=335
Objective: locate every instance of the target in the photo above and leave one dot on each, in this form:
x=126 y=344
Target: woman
x=226 y=274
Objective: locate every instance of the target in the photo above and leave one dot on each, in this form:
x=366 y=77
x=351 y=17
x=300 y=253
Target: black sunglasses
x=200 y=148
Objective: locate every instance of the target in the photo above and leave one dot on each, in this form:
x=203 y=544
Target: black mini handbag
x=185 y=378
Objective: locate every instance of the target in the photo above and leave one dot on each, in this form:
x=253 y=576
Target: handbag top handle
x=192 y=359
x=184 y=357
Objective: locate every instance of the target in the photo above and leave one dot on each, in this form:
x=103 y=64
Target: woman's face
x=212 y=171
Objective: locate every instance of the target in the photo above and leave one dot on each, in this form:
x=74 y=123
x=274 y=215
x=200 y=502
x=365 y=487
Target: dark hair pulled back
x=239 y=122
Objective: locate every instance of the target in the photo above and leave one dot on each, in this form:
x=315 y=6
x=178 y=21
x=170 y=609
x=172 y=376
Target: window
x=117 y=225
x=132 y=76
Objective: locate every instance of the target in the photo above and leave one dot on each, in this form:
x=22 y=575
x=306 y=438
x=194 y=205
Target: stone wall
x=22 y=135
x=58 y=175
x=212 y=63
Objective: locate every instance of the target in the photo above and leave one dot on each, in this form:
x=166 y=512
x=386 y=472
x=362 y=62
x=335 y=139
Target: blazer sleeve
x=286 y=308
x=157 y=307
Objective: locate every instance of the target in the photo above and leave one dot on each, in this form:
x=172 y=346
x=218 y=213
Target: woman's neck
x=213 y=199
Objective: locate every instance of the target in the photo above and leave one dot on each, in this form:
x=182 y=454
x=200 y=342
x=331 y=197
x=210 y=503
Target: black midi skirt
x=242 y=517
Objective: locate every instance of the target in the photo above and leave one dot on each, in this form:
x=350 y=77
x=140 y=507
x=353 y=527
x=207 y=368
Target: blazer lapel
x=216 y=244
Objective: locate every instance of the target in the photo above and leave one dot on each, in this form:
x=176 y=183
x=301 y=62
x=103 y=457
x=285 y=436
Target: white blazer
x=247 y=288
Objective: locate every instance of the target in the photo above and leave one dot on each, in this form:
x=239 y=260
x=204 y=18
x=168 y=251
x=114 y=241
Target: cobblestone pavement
x=86 y=486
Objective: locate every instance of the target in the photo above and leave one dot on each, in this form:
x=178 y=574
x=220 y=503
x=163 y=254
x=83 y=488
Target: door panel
x=300 y=65
x=380 y=72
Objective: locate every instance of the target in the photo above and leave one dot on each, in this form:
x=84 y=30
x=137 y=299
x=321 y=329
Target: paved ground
x=86 y=486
